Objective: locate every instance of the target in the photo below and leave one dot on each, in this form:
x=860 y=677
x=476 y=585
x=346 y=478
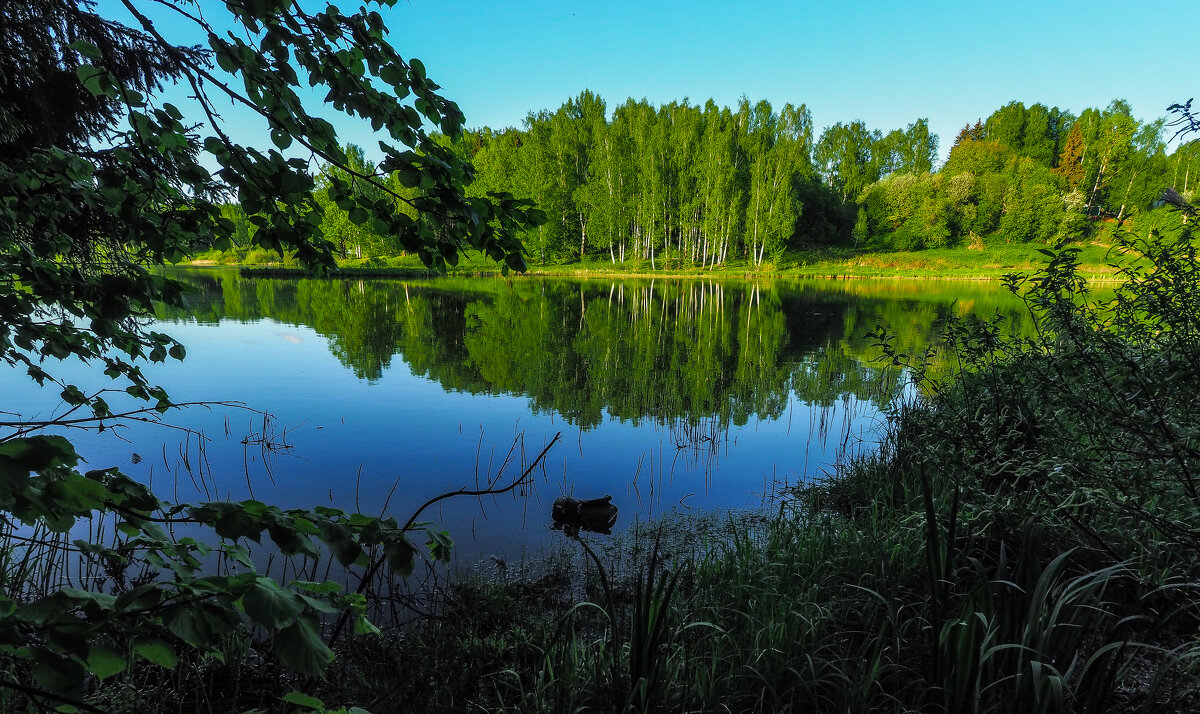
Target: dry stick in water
x=378 y=562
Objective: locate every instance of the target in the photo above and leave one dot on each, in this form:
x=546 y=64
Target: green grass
x=984 y=262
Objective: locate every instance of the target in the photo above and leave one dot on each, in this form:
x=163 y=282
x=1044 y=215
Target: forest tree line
x=704 y=184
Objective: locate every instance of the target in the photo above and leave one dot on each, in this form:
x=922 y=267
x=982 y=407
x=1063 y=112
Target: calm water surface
x=669 y=394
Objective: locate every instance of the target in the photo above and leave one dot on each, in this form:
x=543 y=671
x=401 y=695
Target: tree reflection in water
x=692 y=356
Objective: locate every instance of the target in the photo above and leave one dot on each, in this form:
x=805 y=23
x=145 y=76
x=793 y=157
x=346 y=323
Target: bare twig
x=373 y=569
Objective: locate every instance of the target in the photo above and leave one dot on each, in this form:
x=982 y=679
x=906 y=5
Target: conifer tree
x=970 y=133
x=1070 y=162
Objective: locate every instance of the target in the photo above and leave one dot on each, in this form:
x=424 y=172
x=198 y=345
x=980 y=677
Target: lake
x=669 y=394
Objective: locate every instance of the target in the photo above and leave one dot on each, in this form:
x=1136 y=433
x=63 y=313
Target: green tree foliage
x=1184 y=168
x=978 y=157
x=83 y=223
x=970 y=132
x=848 y=158
x=1108 y=138
x=1045 y=131
x=701 y=184
x=679 y=182
x=912 y=150
x=984 y=189
x=1007 y=126
x=338 y=225
x=102 y=181
x=1008 y=181
x=610 y=185
x=778 y=149
x=1036 y=131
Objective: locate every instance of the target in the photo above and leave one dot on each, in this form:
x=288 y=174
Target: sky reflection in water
x=669 y=394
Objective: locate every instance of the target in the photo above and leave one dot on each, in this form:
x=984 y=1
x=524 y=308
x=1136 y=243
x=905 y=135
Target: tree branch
x=378 y=562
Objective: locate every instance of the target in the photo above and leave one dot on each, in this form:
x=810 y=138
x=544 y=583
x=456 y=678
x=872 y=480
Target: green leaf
x=290 y=541
x=281 y=138
x=156 y=651
x=78 y=494
x=59 y=675
x=104 y=661
x=300 y=647
x=363 y=626
x=103 y=600
x=304 y=700
x=229 y=520
x=317 y=604
x=418 y=68
x=400 y=557
x=87 y=49
x=36 y=453
x=393 y=74
x=239 y=553
x=91 y=78
x=409 y=176
x=270 y=605
x=326 y=588
x=225 y=60
x=439 y=545
x=340 y=539
x=188 y=624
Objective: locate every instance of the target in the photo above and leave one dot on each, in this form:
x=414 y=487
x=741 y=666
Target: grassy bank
x=983 y=262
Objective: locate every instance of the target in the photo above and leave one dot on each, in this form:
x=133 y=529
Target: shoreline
x=961 y=264
x=386 y=273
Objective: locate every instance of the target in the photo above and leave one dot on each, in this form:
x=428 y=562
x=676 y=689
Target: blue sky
x=886 y=63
